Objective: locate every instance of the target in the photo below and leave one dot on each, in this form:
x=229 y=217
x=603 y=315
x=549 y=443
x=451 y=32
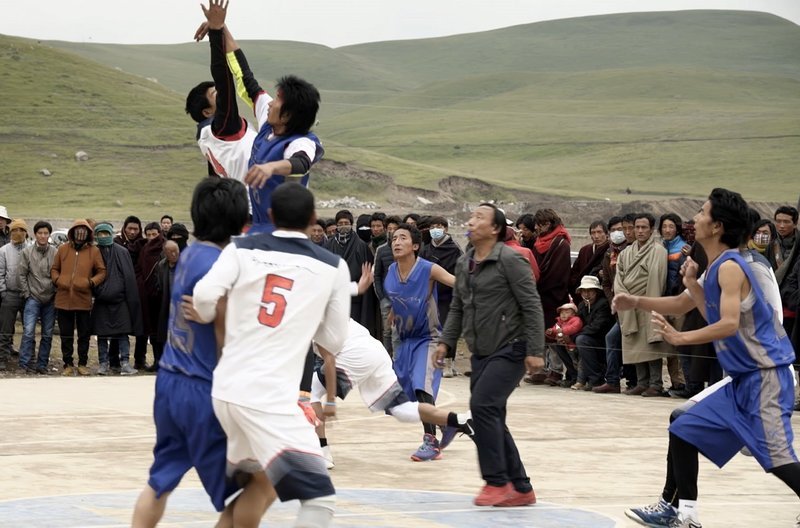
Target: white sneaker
x=328 y=456
x=127 y=370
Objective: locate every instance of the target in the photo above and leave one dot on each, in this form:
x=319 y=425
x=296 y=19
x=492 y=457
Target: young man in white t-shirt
x=282 y=291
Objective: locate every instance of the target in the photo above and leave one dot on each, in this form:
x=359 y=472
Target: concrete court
x=75 y=452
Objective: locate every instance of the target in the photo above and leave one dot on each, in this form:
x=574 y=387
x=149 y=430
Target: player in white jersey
x=282 y=291
x=363 y=362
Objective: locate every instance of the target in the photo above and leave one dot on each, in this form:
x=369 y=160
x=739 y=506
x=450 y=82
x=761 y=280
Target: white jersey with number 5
x=283 y=291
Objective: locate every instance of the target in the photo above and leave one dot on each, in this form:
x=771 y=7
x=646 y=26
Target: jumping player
x=283 y=291
x=187 y=432
x=364 y=363
x=754 y=409
x=409 y=285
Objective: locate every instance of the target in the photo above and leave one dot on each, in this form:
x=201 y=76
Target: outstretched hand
x=201 y=32
x=366 y=278
x=689 y=271
x=215 y=13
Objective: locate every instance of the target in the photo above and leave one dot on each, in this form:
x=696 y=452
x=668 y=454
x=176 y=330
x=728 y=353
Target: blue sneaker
x=429 y=450
x=449 y=433
x=659 y=515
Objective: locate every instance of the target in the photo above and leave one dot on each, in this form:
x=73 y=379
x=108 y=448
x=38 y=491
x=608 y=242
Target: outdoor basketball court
x=75 y=452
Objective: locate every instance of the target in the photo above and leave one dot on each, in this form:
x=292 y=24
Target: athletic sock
x=687 y=509
x=452 y=420
x=323 y=442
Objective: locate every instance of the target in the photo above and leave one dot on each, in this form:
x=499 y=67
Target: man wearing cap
x=77 y=268
x=595 y=313
x=37 y=292
x=11 y=305
x=4 y=221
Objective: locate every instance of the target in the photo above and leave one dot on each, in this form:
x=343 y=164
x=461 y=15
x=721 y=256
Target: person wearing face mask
x=444 y=251
x=12 y=302
x=77 y=268
x=116 y=312
x=355 y=252
x=179 y=234
x=37 y=293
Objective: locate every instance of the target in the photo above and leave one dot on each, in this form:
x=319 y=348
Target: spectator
x=165 y=274
x=166 y=224
x=4 y=221
x=180 y=235
x=642 y=270
x=316 y=232
x=443 y=251
x=670 y=228
x=527 y=231
x=149 y=296
x=764 y=240
x=411 y=219
x=595 y=313
x=116 y=312
x=613 y=339
x=77 y=268
x=513 y=242
x=786 y=256
x=627 y=227
x=131 y=237
x=37 y=290
x=377 y=224
x=590 y=256
x=330 y=228
x=562 y=333
x=355 y=252
x=363 y=228
x=384 y=259
x=10 y=291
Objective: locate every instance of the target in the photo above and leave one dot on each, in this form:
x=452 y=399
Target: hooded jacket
x=76 y=271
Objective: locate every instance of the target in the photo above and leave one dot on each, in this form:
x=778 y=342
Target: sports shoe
x=429 y=450
x=127 y=370
x=680 y=522
x=517 y=498
x=328 y=456
x=493 y=495
x=449 y=433
x=69 y=370
x=103 y=369
x=83 y=370
x=659 y=514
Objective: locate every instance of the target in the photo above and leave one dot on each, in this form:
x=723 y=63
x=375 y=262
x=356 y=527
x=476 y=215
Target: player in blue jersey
x=410 y=286
x=754 y=409
x=187 y=431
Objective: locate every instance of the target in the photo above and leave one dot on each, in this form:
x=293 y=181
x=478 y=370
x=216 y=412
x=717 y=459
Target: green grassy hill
x=666 y=104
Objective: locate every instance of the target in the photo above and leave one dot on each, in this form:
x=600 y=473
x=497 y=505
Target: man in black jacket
x=595 y=313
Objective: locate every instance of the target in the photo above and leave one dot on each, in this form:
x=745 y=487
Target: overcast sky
x=330 y=22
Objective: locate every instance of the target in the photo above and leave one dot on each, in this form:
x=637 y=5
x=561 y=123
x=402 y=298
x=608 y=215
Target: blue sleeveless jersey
x=266 y=150
x=413 y=303
x=760 y=342
x=191 y=348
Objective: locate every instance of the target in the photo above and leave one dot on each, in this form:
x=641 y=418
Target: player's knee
x=678 y=411
x=316 y=513
x=407 y=412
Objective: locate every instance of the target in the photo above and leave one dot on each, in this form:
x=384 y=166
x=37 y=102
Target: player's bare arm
x=440 y=275
x=329 y=368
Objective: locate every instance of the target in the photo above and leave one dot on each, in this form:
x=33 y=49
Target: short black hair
x=378 y=217
x=424 y=223
x=773 y=231
x=197 y=101
x=630 y=218
x=599 y=223
x=414 y=216
x=675 y=219
x=132 y=220
x=322 y=223
x=527 y=221
x=614 y=220
x=40 y=224
x=731 y=210
x=167 y=216
x=292 y=206
x=344 y=213
x=787 y=210
x=499 y=220
x=300 y=101
x=329 y=222
x=416 y=235
x=650 y=218
x=219 y=209
x=152 y=226
x=392 y=219
x=440 y=220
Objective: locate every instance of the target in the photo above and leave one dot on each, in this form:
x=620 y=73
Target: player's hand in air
x=366 y=278
x=215 y=13
x=258 y=175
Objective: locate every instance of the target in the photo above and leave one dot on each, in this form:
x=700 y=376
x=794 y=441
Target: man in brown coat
x=78 y=267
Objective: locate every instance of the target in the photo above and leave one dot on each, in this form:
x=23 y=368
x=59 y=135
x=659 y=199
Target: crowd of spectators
x=117 y=287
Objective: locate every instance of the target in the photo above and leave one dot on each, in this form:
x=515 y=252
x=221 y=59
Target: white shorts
x=365 y=364
x=283 y=445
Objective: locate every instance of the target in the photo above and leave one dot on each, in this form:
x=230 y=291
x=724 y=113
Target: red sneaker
x=516 y=498
x=493 y=495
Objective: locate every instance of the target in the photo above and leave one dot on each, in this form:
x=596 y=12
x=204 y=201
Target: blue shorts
x=753 y=410
x=188 y=435
x=413 y=364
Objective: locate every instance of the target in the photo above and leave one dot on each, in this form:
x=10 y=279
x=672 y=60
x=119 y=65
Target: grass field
x=664 y=104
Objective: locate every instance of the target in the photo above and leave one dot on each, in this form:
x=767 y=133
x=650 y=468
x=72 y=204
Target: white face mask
x=437 y=233
x=617 y=237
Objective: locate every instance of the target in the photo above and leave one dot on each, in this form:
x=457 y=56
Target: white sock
x=463 y=417
x=688 y=510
